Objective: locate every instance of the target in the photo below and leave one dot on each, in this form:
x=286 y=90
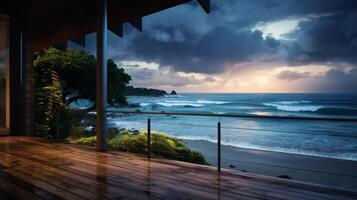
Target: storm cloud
x=192 y=42
x=338 y=81
x=209 y=53
x=291 y=75
x=326 y=39
x=266 y=34
x=163 y=79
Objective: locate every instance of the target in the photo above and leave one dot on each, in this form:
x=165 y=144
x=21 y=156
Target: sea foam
x=211 y=102
x=179 y=103
x=294 y=106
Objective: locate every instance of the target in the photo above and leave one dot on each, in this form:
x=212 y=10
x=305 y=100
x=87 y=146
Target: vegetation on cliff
x=132 y=91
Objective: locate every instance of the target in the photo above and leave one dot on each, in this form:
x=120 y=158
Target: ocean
x=317 y=138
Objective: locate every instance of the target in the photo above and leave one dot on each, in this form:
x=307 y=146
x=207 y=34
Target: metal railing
x=238 y=116
x=219 y=127
x=222 y=126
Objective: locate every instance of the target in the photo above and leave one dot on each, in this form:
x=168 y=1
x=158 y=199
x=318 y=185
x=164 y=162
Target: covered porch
x=33 y=168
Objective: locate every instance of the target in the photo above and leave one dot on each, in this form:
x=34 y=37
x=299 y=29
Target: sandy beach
x=324 y=171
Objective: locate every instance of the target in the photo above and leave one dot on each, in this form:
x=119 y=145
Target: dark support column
x=101 y=103
x=219 y=146
x=149 y=138
x=28 y=88
x=17 y=63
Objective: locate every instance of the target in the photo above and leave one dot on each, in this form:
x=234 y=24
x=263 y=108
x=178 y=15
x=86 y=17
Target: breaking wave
x=197 y=103
x=305 y=106
x=211 y=102
x=294 y=106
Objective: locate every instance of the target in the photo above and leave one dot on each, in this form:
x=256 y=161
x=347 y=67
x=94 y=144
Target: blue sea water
x=318 y=138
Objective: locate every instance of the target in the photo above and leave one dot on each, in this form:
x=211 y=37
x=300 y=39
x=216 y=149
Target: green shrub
x=70 y=124
x=78 y=131
x=90 y=141
x=162 y=145
x=134 y=144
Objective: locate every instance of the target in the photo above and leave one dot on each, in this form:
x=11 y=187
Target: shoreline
x=329 y=172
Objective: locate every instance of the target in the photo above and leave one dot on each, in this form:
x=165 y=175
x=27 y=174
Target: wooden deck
x=32 y=168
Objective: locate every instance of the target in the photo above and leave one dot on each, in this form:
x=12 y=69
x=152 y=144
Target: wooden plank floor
x=33 y=168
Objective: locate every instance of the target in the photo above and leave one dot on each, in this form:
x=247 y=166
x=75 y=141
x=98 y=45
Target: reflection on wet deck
x=32 y=168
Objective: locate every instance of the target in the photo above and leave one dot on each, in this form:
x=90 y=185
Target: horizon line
x=265 y=92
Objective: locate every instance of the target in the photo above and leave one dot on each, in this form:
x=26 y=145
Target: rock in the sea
x=285 y=176
x=155 y=107
x=173 y=92
x=133 y=105
x=232 y=166
x=134 y=131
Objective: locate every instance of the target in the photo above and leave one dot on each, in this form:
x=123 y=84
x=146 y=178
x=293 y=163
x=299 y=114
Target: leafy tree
x=77 y=71
x=117 y=82
x=62 y=77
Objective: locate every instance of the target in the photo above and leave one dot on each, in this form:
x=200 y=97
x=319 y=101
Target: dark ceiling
x=48 y=22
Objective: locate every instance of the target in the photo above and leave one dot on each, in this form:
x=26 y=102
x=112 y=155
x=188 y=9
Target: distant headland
x=137 y=91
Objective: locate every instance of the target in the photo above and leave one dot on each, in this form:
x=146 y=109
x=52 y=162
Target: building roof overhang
x=49 y=22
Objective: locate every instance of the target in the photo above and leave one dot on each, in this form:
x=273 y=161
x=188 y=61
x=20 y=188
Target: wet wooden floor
x=32 y=168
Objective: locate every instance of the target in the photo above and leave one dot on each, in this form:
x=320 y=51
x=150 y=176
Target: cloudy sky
x=244 y=46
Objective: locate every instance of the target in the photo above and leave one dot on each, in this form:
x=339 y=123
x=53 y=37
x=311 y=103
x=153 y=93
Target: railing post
x=149 y=138
x=219 y=146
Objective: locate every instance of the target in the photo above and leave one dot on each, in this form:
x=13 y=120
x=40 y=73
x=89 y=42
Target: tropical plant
x=63 y=77
x=48 y=98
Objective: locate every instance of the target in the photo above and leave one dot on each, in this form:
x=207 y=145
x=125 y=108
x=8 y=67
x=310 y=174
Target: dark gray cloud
x=337 y=81
x=208 y=53
x=292 y=75
x=326 y=39
x=164 y=79
x=250 y=12
x=189 y=40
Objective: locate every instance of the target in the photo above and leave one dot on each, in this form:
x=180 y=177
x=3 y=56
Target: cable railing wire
x=239 y=116
x=219 y=116
x=150 y=114
x=253 y=129
x=159 y=121
x=283 y=131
